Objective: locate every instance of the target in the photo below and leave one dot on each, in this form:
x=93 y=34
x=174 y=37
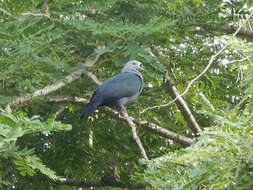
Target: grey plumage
x=118 y=90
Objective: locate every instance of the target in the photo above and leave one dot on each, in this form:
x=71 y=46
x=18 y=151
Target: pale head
x=133 y=66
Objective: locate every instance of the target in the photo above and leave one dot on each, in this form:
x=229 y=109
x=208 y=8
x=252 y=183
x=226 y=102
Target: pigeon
x=118 y=90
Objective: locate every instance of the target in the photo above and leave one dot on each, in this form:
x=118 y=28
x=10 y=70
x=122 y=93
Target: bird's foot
x=122 y=110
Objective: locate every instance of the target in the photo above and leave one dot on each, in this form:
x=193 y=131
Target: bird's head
x=133 y=65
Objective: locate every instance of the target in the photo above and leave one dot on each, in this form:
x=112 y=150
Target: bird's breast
x=127 y=100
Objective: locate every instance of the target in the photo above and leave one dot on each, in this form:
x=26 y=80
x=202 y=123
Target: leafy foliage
x=25 y=160
x=221 y=159
x=170 y=37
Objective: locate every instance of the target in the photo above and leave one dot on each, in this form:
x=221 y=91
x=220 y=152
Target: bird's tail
x=88 y=109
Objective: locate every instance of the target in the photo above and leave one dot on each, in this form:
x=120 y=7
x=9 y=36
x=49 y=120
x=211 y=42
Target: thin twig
x=93 y=77
x=210 y=62
x=205 y=100
x=9 y=14
x=243 y=55
x=249 y=25
x=240 y=60
x=33 y=14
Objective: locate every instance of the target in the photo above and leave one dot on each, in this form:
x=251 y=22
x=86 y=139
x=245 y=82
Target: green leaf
x=16 y=131
x=23 y=173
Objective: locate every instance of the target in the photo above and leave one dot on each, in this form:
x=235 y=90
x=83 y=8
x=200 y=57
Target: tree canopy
x=191 y=127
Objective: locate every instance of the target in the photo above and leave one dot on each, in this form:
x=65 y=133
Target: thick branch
x=51 y=88
x=134 y=133
x=142 y=123
x=165 y=132
x=184 y=109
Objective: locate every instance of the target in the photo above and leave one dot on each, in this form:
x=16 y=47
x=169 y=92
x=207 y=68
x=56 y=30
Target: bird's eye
x=134 y=63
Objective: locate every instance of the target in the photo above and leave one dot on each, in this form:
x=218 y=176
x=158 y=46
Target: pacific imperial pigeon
x=118 y=90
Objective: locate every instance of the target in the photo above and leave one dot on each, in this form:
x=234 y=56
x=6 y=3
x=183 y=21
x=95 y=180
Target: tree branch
x=9 y=14
x=51 y=88
x=142 y=123
x=205 y=100
x=165 y=132
x=210 y=62
x=134 y=133
x=93 y=77
x=47 y=13
x=154 y=128
x=34 y=14
x=129 y=120
x=184 y=109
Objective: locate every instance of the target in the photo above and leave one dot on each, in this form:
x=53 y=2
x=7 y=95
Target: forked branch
x=46 y=14
x=142 y=123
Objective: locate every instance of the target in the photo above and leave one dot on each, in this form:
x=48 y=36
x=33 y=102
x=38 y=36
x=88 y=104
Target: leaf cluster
x=13 y=128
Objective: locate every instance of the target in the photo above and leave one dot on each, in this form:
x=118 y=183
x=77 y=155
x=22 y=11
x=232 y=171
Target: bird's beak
x=141 y=67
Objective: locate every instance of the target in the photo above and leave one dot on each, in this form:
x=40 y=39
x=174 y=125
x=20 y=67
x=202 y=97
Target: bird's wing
x=122 y=85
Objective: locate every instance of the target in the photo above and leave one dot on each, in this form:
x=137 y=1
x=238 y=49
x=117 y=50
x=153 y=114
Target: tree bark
x=185 y=110
x=134 y=133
